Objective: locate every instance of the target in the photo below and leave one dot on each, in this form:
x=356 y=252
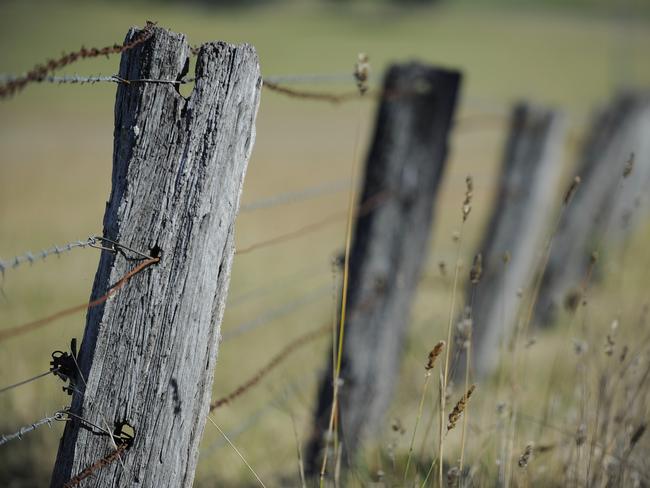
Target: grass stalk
x=250 y=468
x=344 y=298
x=427 y=377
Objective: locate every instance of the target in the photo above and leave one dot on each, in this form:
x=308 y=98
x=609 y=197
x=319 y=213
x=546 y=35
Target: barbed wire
x=36 y=324
x=96 y=242
x=293 y=346
x=57 y=416
x=287 y=392
x=40 y=71
x=312 y=78
x=107 y=460
x=31 y=258
x=275 y=313
x=73 y=79
x=329 y=188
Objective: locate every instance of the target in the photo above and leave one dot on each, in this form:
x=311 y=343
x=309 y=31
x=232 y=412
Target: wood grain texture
x=149 y=352
x=403 y=171
x=606 y=207
x=519 y=223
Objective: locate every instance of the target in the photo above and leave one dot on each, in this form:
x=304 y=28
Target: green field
x=55 y=164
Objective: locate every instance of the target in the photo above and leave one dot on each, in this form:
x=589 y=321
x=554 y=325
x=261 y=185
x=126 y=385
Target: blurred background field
x=55 y=166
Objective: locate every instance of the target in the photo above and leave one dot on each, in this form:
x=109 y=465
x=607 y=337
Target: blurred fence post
x=148 y=353
x=402 y=174
x=515 y=235
x=606 y=205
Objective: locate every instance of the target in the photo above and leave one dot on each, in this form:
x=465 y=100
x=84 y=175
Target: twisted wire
x=40 y=71
x=58 y=416
x=110 y=458
x=311 y=78
x=31 y=258
x=36 y=324
x=272 y=364
x=74 y=79
x=287 y=392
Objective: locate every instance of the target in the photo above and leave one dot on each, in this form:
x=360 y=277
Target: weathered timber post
x=605 y=206
x=514 y=239
x=148 y=353
x=403 y=171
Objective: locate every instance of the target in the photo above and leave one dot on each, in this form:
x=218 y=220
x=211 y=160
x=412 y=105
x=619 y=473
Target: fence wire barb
x=58 y=416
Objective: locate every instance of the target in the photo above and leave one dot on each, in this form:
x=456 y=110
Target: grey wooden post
x=403 y=169
x=525 y=199
x=148 y=353
x=604 y=207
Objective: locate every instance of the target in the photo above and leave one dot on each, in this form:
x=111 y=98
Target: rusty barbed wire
x=311 y=95
x=107 y=460
x=57 y=416
x=275 y=403
x=274 y=362
x=311 y=78
x=286 y=352
x=40 y=71
x=36 y=324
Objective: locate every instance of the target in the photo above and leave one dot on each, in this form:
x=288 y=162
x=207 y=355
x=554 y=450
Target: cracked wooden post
x=515 y=235
x=403 y=171
x=148 y=353
x=605 y=207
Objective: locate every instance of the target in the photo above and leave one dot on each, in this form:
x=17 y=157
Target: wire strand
x=57 y=416
x=37 y=324
x=283 y=310
x=31 y=258
x=40 y=71
x=369 y=205
x=328 y=188
x=293 y=346
x=29 y=380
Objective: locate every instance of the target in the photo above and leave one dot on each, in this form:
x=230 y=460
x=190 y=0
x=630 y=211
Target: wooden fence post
x=403 y=170
x=514 y=239
x=604 y=206
x=149 y=351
